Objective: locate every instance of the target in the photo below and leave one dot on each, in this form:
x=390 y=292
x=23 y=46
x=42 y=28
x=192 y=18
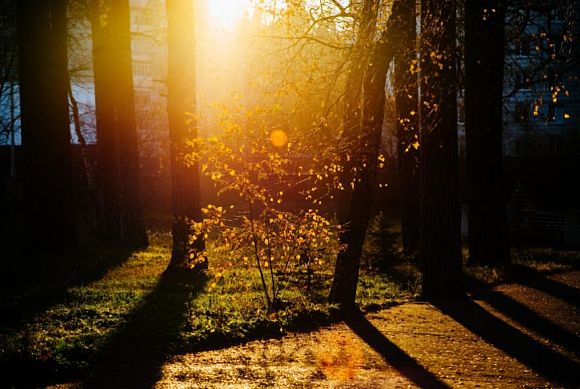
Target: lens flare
x=278 y=138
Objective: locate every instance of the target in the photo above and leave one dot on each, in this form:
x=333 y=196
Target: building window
x=557 y=14
x=522 y=46
x=143 y=18
x=141 y=70
x=522 y=112
x=557 y=47
x=142 y=98
x=521 y=80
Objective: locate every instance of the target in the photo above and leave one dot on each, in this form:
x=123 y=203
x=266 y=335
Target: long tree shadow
x=134 y=355
x=540 y=358
x=531 y=320
x=34 y=289
x=532 y=278
x=391 y=353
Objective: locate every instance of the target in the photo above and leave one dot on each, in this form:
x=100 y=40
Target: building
x=149 y=50
x=542 y=85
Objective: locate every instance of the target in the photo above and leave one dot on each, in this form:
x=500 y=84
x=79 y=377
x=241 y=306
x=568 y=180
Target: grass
x=69 y=333
x=66 y=335
x=542 y=261
x=546 y=259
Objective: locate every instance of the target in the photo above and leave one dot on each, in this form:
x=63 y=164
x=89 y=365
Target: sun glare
x=278 y=138
x=224 y=13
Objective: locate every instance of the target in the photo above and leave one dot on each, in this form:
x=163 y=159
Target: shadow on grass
x=33 y=284
x=543 y=360
x=531 y=320
x=134 y=354
x=532 y=278
x=391 y=353
x=383 y=252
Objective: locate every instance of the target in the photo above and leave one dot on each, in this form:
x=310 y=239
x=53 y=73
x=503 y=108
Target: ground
x=519 y=335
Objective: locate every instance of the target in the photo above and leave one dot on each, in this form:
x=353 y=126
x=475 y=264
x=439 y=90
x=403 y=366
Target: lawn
x=72 y=327
x=135 y=301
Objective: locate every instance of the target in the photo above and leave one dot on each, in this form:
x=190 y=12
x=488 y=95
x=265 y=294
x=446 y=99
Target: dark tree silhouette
x=117 y=129
x=109 y=176
x=362 y=135
x=440 y=248
x=407 y=109
x=182 y=127
x=484 y=70
x=42 y=69
x=133 y=229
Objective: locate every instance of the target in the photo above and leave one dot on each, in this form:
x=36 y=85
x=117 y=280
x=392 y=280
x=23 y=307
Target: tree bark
x=484 y=70
x=407 y=114
x=440 y=211
x=109 y=215
x=181 y=88
x=133 y=231
x=122 y=212
x=362 y=135
x=42 y=68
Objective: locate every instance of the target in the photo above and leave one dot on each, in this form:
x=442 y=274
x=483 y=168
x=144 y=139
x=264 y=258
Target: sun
x=224 y=13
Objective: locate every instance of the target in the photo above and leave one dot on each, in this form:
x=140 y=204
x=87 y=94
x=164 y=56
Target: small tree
x=254 y=167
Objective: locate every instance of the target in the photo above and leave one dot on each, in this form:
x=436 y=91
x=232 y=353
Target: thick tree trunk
x=109 y=215
x=121 y=211
x=440 y=212
x=42 y=65
x=407 y=114
x=181 y=95
x=484 y=68
x=133 y=232
x=362 y=135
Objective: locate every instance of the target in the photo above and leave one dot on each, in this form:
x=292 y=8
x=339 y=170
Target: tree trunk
x=133 y=232
x=92 y=202
x=109 y=215
x=440 y=212
x=407 y=114
x=185 y=186
x=484 y=68
x=122 y=212
x=42 y=65
x=362 y=135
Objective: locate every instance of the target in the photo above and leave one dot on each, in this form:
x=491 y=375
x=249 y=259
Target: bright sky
x=224 y=13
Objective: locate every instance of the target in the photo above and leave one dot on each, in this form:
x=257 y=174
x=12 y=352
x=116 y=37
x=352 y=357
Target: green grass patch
x=541 y=260
x=68 y=335
x=232 y=306
x=546 y=259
